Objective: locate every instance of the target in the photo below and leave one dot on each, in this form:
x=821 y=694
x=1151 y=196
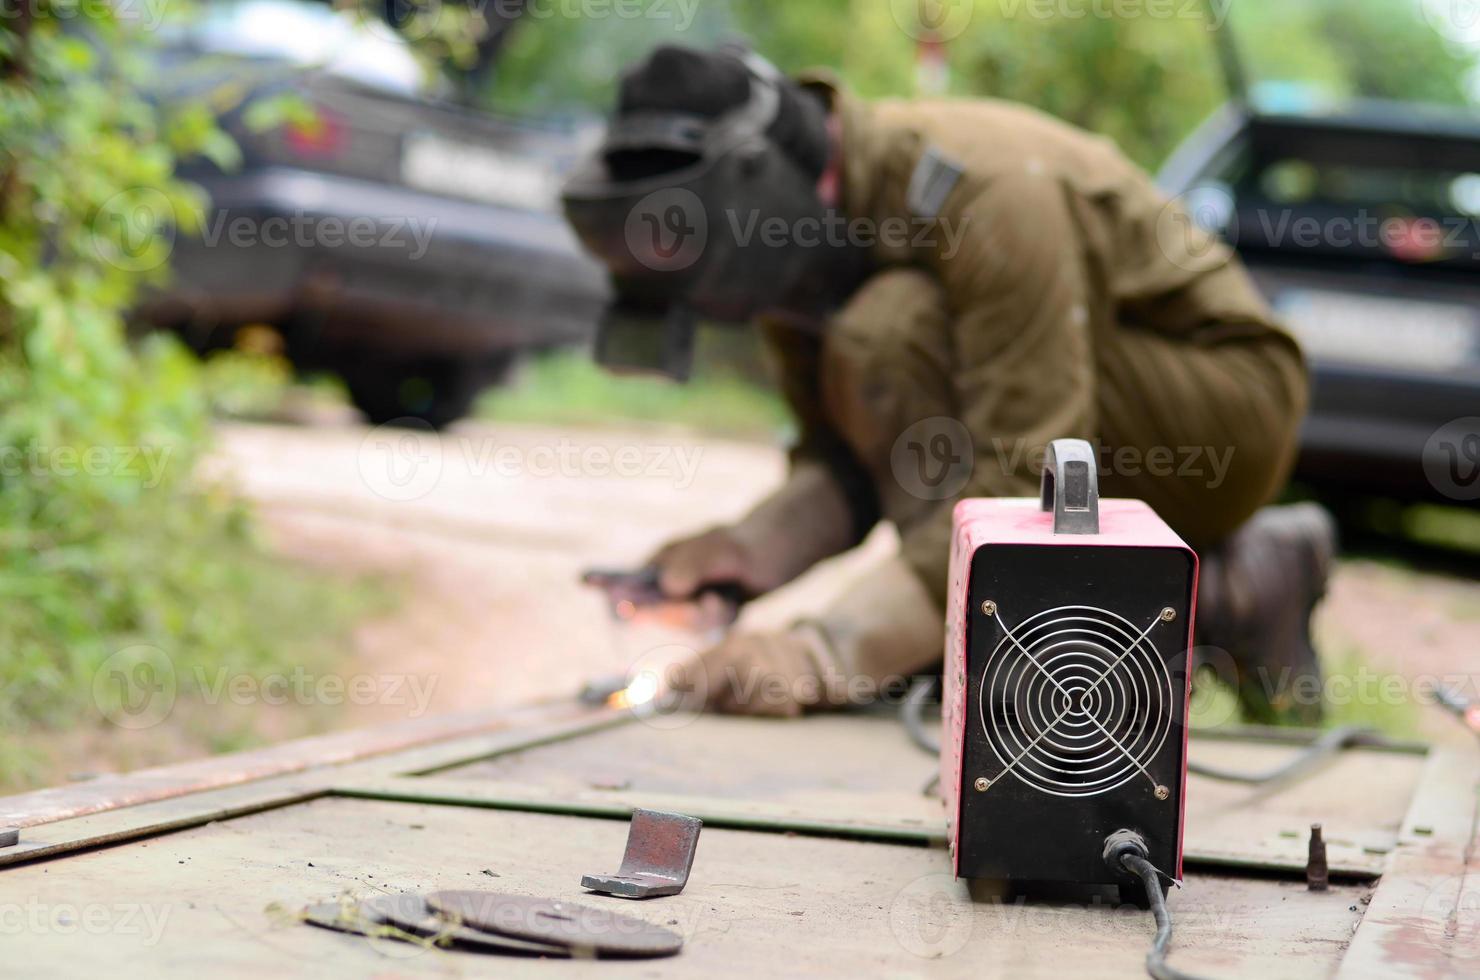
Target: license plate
x=434 y=163
x=1363 y=329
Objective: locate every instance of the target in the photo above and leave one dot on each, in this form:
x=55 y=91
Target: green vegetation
x=108 y=541
x=1143 y=80
x=567 y=388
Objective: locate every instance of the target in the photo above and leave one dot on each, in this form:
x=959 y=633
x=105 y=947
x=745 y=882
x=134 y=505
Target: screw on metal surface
x=1168 y=614
x=10 y=836
x=982 y=784
x=1317 y=872
x=1162 y=793
x=989 y=608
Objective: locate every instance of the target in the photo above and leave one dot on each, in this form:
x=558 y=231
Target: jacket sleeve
x=798 y=355
x=1016 y=282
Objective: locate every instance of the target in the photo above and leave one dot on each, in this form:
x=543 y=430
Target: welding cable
x=1329 y=743
x=1156 y=960
x=1125 y=850
x=912 y=712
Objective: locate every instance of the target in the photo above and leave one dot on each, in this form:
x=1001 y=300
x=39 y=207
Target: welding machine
x=1066 y=684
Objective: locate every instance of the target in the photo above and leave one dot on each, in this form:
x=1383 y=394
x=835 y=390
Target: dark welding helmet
x=703 y=229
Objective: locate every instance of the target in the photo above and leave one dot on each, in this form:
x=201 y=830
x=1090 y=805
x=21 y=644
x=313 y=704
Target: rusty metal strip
x=729 y=814
x=1424 y=919
x=111 y=792
x=1268 y=735
x=735 y=814
x=191 y=809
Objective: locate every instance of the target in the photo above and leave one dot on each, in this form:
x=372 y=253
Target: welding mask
x=695 y=217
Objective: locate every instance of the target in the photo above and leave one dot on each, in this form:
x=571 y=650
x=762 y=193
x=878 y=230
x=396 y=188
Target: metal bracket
x=660 y=852
x=10 y=836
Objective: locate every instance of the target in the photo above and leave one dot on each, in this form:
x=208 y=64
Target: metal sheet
x=1425 y=918
x=110 y=792
x=861 y=775
x=217 y=900
x=118 y=824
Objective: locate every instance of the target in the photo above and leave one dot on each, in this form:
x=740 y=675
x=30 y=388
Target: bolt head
x=1168 y=614
x=1163 y=793
x=982 y=783
x=989 y=608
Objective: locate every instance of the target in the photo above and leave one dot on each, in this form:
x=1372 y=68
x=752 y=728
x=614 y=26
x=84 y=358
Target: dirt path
x=487 y=530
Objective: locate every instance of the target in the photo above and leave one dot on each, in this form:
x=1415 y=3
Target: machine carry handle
x=1071 y=487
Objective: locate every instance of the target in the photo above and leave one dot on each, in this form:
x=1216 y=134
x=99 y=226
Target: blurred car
x=407 y=243
x=1360 y=220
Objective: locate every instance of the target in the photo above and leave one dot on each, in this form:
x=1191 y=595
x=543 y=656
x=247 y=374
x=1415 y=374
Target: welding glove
x=806 y=520
x=883 y=629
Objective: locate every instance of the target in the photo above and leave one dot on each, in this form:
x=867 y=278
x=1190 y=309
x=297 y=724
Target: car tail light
x=322 y=135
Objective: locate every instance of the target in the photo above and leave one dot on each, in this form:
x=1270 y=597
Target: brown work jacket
x=1050 y=291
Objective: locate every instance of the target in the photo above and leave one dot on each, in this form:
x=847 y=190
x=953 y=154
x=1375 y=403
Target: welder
x=947 y=286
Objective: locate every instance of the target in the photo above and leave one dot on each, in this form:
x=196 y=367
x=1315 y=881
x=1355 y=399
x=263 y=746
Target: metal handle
x=1071 y=487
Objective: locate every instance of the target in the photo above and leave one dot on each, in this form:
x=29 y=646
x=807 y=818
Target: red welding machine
x=1066 y=681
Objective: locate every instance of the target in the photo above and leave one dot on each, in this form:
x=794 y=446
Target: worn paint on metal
x=658 y=857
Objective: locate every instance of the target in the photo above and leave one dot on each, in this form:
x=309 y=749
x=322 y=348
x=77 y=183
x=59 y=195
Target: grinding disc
x=410 y=914
x=585 y=931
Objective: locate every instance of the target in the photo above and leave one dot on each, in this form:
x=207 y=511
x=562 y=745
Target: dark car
x=409 y=244
x=1361 y=222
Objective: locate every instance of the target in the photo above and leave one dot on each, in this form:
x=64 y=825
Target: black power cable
x=1125 y=850
x=1329 y=743
x=912 y=712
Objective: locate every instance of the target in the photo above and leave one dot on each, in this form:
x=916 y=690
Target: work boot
x=1255 y=598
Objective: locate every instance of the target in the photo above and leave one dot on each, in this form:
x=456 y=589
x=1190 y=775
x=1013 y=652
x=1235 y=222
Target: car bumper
x=1371 y=430
x=382 y=266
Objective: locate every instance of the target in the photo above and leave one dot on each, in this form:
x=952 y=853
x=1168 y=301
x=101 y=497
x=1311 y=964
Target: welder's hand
x=780 y=674
x=718 y=557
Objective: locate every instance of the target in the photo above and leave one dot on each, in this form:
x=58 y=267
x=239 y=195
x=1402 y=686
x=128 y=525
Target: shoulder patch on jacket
x=934 y=178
